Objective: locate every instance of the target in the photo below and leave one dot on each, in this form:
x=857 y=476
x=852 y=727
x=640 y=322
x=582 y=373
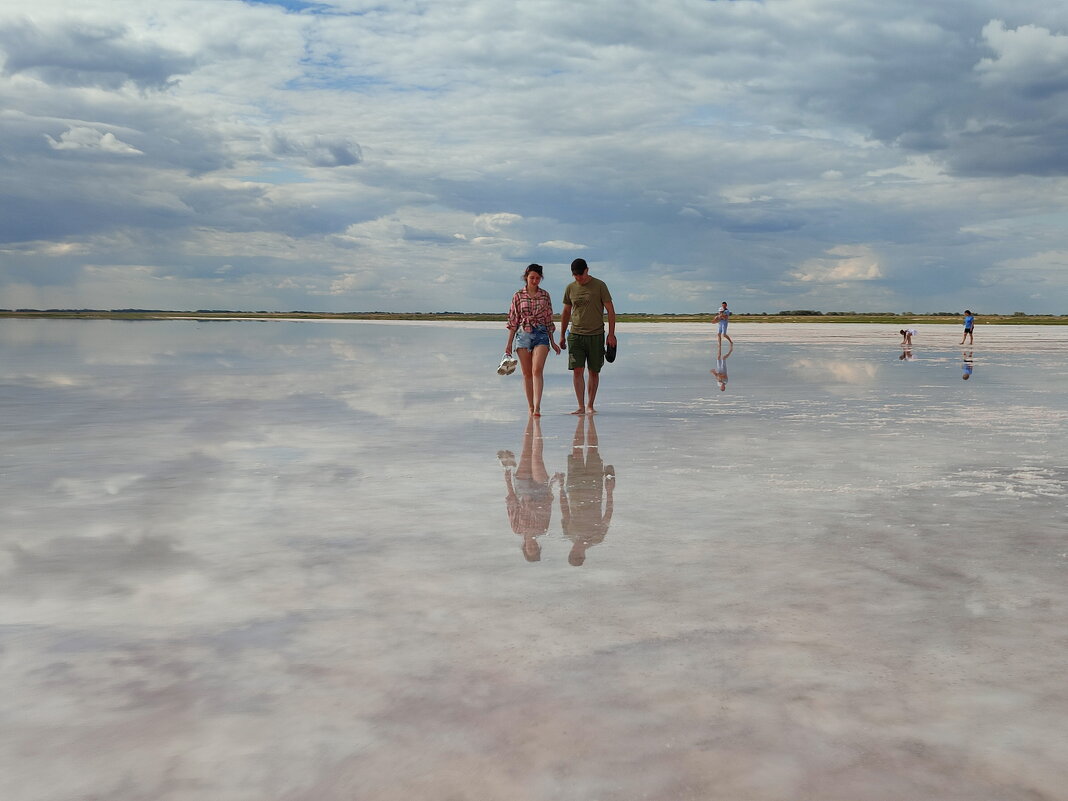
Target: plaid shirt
x=526 y=312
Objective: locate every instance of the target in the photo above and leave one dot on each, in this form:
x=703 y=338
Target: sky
x=416 y=155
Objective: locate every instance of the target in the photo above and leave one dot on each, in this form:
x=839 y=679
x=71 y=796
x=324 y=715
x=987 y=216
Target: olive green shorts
x=585 y=350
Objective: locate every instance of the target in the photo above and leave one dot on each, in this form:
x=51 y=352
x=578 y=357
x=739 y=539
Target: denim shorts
x=531 y=339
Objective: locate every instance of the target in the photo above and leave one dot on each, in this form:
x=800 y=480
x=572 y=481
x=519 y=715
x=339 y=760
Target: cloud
x=844 y=263
x=79 y=54
x=760 y=147
x=318 y=151
x=1028 y=58
x=90 y=139
x=559 y=244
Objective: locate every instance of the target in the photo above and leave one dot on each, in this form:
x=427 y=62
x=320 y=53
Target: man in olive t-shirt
x=586 y=299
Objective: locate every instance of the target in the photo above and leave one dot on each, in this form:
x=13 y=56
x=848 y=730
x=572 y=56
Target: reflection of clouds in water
x=1022 y=482
x=96 y=486
x=78 y=567
x=842 y=372
x=228 y=545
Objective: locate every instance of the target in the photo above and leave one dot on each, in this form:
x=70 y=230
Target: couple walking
x=530 y=329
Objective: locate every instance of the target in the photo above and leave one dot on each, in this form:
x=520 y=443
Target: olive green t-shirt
x=587 y=305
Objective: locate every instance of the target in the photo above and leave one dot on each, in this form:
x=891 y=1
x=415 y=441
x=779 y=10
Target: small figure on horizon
x=586 y=299
x=530 y=328
x=723 y=316
x=969 y=324
x=906 y=336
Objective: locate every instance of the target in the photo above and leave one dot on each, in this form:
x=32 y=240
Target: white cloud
x=1027 y=56
x=843 y=263
x=560 y=244
x=404 y=145
x=90 y=139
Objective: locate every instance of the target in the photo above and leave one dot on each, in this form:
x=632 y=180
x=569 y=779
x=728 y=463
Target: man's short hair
x=579 y=266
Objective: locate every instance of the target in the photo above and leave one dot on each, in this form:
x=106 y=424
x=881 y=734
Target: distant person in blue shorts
x=969 y=324
x=723 y=316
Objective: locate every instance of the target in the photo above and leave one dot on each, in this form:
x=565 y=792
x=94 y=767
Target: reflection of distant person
x=588 y=482
x=531 y=327
x=906 y=336
x=586 y=300
x=721 y=366
x=906 y=355
x=969 y=324
x=530 y=501
x=967 y=365
x=723 y=317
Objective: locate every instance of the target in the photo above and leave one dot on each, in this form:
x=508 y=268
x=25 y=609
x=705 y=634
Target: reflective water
x=314 y=561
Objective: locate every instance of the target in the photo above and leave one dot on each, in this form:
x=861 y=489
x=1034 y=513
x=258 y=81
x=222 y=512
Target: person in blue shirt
x=969 y=323
x=722 y=318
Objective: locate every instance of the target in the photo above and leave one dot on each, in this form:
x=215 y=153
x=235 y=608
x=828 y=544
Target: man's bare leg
x=595 y=380
x=580 y=389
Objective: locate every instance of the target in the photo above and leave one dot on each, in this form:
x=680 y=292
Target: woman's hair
x=533 y=268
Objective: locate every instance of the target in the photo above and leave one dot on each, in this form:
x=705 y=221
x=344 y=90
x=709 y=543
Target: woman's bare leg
x=537 y=369
x=526 y=363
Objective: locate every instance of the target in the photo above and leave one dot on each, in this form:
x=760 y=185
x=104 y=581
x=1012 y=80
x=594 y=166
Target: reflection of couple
x=720 y=371
x=585 y=492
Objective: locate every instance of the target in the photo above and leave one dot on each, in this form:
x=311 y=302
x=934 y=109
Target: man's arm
x=565 y=318
x=611 y=309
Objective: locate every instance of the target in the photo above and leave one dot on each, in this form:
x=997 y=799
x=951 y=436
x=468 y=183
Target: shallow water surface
x=310 y=561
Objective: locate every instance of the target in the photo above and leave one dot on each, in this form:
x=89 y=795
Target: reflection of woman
x=530 y=326
x=530 y=501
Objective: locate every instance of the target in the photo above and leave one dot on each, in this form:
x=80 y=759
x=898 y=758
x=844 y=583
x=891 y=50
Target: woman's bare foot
x=536 y=411
x=591 y=410
x=579 y=410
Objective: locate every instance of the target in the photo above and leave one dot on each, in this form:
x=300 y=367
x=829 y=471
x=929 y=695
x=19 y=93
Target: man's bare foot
x=591 y=410
x=579 y=410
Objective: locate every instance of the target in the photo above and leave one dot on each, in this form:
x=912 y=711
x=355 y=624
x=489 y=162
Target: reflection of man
x=586 y=300
x=967 y=365
x=530 y=501
x=721 y=366
x=588 y=481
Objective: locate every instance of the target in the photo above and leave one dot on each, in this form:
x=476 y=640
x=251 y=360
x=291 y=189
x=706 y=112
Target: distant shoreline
x=827 y=317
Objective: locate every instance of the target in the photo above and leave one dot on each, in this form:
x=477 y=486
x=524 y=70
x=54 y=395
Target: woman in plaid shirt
x=530 y=327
